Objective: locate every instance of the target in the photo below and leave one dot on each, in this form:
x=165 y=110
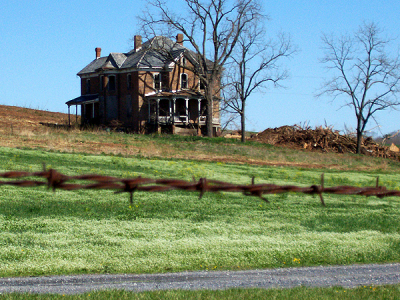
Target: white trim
x=91 y=75
x=150 y=94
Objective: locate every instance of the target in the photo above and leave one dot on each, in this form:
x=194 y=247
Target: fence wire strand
x=58 y=181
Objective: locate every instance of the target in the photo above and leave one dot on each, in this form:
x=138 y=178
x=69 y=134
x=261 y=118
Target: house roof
x=157 y=53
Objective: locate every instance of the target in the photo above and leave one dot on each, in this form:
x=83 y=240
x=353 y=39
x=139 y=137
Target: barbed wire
x=56 y=180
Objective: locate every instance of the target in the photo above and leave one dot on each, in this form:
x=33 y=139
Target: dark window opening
x=87 y=86
x=161 y=81
x=164 y=81
x=157 y=82
x=101 y=82
x=111 y=83
x=184 y=81
x=129 y=81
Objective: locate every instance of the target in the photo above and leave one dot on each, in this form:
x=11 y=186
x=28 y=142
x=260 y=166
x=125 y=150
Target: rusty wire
x=56 y=180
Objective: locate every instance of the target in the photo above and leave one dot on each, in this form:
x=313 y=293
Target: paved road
x=346 y=276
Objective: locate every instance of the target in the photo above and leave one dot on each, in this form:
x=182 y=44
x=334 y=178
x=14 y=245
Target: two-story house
x=146 y=89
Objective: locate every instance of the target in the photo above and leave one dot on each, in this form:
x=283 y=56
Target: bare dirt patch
x=19 y=118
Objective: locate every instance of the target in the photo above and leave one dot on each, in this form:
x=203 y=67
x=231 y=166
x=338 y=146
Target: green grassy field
x=301 y=293
x=87 y=231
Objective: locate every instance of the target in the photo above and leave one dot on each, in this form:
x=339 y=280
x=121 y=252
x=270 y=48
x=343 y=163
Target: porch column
x=69 y=116
x=174 y=110
x=198 y=117
x=187 y=109
x=170 y=108
x=148 y=105
x=93 y=110
x=157 y=110
x=157 y=115
x=199 y=108
x=83 y=113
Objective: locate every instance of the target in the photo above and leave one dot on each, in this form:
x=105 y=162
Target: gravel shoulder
x=345 y=276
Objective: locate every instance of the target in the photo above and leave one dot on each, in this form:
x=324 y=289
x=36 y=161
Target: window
x=201 y=85
x=128 y=106
x=111 y=83
x=129 y=81
x=87 y=86
x=157 y=82
x=101 y=82
x=184 y=81
x=161 y=81
x=184 y=61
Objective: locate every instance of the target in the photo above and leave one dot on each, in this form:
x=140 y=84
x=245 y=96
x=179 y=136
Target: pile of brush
x=323 y=139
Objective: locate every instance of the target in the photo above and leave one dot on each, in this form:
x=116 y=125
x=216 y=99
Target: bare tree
x=254 y=65
x=365 y=74
x=212 y=27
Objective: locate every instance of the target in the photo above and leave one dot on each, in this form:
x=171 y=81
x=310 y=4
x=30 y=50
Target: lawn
x=301 y=293
x=98 y=231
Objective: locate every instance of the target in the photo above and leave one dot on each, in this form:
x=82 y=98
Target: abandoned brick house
x=145 y=90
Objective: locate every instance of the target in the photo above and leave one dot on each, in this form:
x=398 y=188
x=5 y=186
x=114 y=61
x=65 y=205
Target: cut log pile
x=322 y=139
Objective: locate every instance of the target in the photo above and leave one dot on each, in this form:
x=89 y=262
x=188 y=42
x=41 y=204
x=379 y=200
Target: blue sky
x=44 y=43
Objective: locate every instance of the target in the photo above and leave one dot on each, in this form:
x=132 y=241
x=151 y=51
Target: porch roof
x=84 y=99
x=176 y=94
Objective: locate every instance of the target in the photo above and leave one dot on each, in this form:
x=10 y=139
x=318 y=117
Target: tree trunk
x=243 y=124
x=209 y=119
x=359 y=136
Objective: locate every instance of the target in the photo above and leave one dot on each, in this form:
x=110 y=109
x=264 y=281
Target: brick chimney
x=179 y=39
x=137 y=42
x=98 y=52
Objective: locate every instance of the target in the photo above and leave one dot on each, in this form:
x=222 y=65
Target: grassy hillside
x=88 y=231
x=23 y=128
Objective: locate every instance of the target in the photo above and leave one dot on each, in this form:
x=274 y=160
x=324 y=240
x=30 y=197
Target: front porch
x=89 y=108
x=178 y=111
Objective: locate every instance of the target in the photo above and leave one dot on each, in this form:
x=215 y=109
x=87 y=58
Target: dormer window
x=184 y=81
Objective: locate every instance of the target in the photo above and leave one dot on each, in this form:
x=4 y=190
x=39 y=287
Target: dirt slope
x=19 y=118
